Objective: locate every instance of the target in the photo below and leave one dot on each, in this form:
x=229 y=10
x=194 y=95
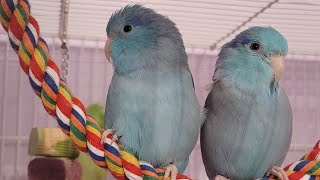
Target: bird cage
x=205 y=26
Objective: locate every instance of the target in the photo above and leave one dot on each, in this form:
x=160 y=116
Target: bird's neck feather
x=157 y=59
x=247 y=75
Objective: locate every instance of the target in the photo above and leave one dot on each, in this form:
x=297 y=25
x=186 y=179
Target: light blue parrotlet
x=151 y=104
x=248 y=122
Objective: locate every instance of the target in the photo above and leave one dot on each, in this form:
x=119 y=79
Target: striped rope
x=57 y=99
x=308 y=168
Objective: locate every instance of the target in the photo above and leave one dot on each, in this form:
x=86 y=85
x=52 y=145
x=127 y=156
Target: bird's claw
x=106 y=133
x=171 y=170
x=218 y=177
x=279 y=172
x=114 y=138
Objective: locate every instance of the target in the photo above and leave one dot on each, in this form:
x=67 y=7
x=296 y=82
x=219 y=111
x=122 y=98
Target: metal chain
x=63 y=36
x=65 y=59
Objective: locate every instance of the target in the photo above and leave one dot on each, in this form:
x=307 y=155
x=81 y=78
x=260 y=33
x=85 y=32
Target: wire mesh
x=202 y=24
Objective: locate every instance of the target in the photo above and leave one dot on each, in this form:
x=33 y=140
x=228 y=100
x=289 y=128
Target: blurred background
x=205 y=26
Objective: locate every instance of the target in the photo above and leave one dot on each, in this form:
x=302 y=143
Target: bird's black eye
x=127 y=28
x=255 y=46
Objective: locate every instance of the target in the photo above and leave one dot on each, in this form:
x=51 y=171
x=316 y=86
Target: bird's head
x=257 y=51
x=138 y=37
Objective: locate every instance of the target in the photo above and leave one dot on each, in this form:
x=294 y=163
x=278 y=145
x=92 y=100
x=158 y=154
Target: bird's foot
x=171 y=170
x=220 y=178
x=279 y=172
x=106 y=133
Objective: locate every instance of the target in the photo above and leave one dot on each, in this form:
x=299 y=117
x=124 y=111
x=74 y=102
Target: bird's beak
x=277 y=64
x=107 y=50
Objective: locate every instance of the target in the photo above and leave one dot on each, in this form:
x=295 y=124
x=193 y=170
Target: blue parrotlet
x=151 y=104
x=248 y=122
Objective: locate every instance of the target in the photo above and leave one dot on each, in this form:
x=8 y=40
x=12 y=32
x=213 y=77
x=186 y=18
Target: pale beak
x=107 y=50
x=277 y=64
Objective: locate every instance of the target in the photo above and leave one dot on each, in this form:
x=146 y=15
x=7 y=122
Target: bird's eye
x=127 y=28
x=255 y=46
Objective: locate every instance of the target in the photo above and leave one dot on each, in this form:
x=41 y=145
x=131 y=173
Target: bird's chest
x=250 y=121
x=247 y=128
x=143 y=88
x=130 y=90
x=247 y=131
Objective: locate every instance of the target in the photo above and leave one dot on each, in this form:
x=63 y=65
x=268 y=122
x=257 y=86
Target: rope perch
x=57 y=99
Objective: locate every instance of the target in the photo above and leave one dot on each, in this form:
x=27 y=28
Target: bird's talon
x=279 y=172
x=171 y=170
x=105 y=134
x=220 y=178
x=114 y=138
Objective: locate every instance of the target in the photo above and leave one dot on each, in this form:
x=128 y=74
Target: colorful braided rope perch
x=308 y=168
x=44 y=77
